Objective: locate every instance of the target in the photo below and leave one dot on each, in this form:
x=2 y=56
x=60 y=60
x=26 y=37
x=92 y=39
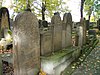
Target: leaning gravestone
x=26 y=44
x=57 y=32
x=67 y=30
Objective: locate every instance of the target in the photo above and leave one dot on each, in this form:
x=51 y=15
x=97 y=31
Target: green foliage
x=97 y=7
x=92 y=6
x=36 y=6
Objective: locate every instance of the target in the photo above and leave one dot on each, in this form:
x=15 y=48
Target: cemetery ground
x=89 y=63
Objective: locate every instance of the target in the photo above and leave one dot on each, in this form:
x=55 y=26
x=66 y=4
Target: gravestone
x=76 y=35
x=83 y=24
x=57 y=32
x=26 y=44
x=67 y=30
x=4 y=27
x=80 y=36
x=4 y=22
x=46 y=42
x=64 y=31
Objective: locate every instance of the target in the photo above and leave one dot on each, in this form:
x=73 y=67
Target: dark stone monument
x=4 y=21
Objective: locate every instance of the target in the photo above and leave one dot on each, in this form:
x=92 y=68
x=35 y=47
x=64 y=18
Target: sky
x=74 y=6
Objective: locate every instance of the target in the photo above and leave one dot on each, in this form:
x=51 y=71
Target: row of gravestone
x=58 y=36
x=29 y=41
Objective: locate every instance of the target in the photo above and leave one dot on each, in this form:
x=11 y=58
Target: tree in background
x=82 y=7
x=51 y=6
x=92 y=7
x=88 y=8
x=97 y=8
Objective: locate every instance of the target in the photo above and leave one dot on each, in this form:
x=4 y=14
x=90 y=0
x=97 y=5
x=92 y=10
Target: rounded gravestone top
x=67 y=18
x=56 y=19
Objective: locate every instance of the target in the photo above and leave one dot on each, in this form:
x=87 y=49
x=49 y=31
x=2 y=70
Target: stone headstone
x=76 y=35
x=26 y=44
x=46 y=42
x=67 y=30
x=83 y=24
x=57 y=32
x=80 y=36
x=4 y=22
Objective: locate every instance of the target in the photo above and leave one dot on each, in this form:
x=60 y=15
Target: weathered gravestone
x=77 y=26
x=46 y=42
x=4 y=22
x=26 y=44
x=76 y=36
x=57 y=32
x=4 y=28
x=82 y=33
x=67 y=30
x=83 y=24
x=80 y=36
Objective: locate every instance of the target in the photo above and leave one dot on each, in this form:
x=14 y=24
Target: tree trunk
x=81 y=9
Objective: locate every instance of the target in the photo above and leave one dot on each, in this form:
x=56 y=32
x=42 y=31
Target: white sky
x=74 y=6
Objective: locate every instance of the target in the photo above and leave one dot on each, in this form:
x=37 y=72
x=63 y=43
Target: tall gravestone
x=64 y=31
x=67 y=30
x=4 y=22
x=83 y=24
x=4 y=27
x=57 y=32
x=76 y=35
x=26 y=44
x=80 y=36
